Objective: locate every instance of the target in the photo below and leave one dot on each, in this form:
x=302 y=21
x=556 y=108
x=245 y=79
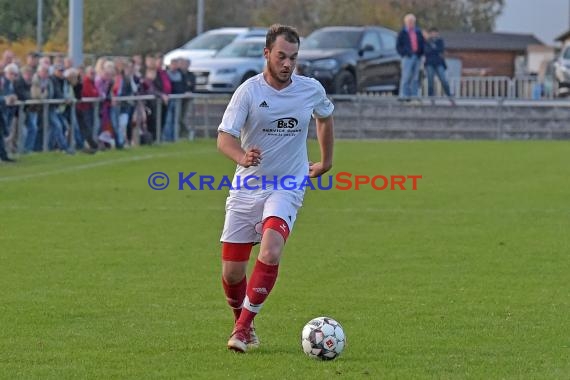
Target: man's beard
x=277 y=75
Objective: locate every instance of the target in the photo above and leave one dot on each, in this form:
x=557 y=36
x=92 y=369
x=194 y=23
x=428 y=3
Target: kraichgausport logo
x=340 y=181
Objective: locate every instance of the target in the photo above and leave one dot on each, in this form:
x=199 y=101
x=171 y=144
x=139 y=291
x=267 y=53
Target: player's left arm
x=325 y=136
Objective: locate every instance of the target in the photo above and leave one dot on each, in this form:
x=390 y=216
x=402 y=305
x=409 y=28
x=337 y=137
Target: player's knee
x=275 y=233
x=270 y=255
x=233 y=274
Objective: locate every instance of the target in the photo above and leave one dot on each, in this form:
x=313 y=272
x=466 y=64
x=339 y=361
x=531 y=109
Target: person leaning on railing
x=23 y=88
x=72 y=92
x=7 y=98
x=187 y=103
x=125 y=84
x=154 y=84
x=84 y=110
x=109 y=130
x=56 y=119
x=11 y=75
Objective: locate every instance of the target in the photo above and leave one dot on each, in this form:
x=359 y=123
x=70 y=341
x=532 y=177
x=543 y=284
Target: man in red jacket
x=85 y=111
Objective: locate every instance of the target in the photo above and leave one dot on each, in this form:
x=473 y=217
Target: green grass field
x=468 y=277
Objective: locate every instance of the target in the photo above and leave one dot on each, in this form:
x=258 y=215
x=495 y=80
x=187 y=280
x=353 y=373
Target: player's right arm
x=230 y=129
x=231 y=148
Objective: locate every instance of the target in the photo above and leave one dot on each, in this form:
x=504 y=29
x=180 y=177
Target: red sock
x=235 y=295
x=260 y=284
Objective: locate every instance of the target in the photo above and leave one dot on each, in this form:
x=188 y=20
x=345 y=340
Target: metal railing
x=495 y=87
x=190 y=111
x=200 y=114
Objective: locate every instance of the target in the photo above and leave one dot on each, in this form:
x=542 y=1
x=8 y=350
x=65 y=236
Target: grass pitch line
x=92 y=165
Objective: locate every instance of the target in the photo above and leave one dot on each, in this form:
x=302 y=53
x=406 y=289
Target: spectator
x=125 y=85
x=104 y=84
x=33 y=61
x=153 y=84
x=72 y=92
x=23 y=89
x=167 y=112
x=7 y=97
x=41 y=84
x=189 y=77
x=410 y=46
x=137 y=65
x=187 y=103
x=58 y=60
x=435 y=63
x=3 y=154
x=85 y=116
x=178 y=86
x=46 y=61
x=67 y=63
x=56 y=111
x=7 y=57
x=8 y=83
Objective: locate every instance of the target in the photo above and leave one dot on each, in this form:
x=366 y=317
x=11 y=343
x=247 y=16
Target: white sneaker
x=238 y=340
x=253 y=341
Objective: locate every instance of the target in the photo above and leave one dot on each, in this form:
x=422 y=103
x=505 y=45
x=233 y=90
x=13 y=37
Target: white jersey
x=276 y=122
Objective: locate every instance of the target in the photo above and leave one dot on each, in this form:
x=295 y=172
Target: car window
x=210 y=41
x=371 y=38
x=388 y=40
x=326 y=39
x=566 y=54
x=258 y=33
x=242 y=49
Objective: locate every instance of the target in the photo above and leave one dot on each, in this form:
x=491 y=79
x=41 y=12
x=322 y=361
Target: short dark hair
x=288 y=32
x=433 y=29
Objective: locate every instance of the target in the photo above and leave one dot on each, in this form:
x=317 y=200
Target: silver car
x=230 y=67
x=209 y=43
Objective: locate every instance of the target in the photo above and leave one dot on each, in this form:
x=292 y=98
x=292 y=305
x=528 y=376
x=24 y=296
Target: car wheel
x=345 y=83
x=248 y=75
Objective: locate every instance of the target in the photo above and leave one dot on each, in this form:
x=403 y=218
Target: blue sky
x=546 y=19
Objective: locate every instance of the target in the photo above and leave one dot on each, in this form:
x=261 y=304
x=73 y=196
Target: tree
x=18 y=19
x=465 y=15
x=126 y=27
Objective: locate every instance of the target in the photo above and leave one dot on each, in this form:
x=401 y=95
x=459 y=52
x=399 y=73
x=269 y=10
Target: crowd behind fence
x=49 y=104
x=133 y=128
x=111 y=120
x=199 y=115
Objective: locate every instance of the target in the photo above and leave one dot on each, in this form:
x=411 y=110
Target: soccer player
x=264 y=131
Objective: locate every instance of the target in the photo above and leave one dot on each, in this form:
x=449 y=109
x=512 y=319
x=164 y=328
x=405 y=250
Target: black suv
x=351 y=59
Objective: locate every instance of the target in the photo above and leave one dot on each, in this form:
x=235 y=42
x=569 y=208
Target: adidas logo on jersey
x=260 y=290
x=264 y=104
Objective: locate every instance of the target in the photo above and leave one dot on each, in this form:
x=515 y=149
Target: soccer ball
x=323 y=338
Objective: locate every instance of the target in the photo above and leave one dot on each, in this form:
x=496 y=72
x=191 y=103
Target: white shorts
x=245 y=213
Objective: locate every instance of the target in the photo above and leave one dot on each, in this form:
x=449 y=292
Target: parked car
x=209 y=43
x=351 y=59
x=230 y=67
x=562 y=71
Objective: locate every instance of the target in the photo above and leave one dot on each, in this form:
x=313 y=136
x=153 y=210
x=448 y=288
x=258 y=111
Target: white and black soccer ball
x=323 y=338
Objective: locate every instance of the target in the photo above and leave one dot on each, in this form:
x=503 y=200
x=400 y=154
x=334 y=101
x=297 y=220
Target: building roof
x=489 y=41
